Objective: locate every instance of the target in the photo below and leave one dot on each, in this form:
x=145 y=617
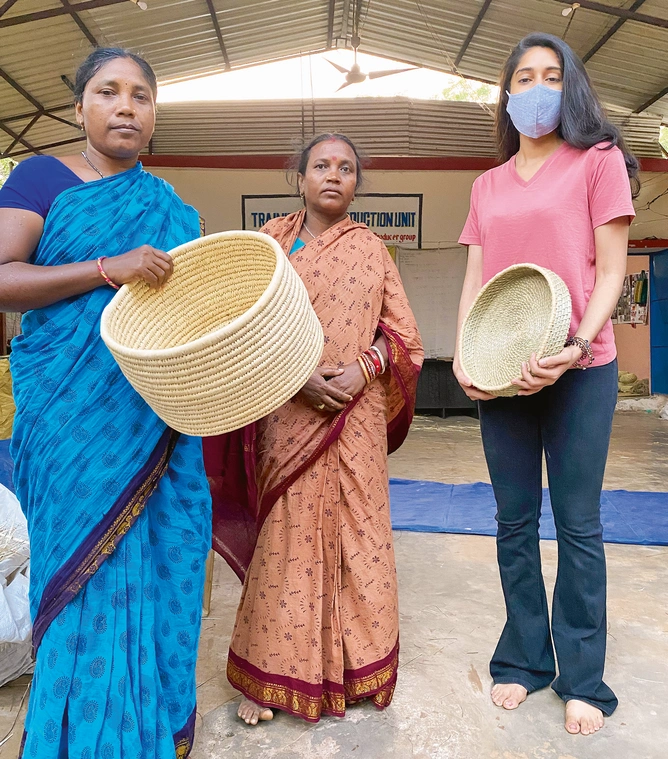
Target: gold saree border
x=309 y=701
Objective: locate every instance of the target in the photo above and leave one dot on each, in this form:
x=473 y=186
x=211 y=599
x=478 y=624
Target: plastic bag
x=14 y=545
x=15 y=625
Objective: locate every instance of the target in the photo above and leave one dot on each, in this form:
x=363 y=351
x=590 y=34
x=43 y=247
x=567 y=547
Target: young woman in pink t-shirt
x=562 y=200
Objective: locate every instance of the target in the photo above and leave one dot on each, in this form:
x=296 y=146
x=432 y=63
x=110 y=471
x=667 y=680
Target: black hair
x=583 y=119
x=300 y=160
x=99 y=58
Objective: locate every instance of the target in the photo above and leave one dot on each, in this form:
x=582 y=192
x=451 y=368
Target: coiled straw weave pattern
x=524 y=309
x=227 y=340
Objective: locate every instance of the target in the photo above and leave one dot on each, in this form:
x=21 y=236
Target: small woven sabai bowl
x=229 y=338
x=524 y=309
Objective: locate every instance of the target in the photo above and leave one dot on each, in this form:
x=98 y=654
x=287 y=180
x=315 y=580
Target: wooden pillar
x=208 y=584
x=3 y=334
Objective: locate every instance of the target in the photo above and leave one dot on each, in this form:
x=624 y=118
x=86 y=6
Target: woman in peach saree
x=301 y=499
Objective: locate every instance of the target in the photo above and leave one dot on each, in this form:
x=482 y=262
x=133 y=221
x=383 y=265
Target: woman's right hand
x=145 y=263
x=319 y=394
x=465 y=381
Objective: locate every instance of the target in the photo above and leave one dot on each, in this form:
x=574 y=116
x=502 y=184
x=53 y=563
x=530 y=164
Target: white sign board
x=396 y=219
x=433 y=280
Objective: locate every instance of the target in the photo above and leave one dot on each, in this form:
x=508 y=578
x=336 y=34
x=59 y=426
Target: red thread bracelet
x=104 y=275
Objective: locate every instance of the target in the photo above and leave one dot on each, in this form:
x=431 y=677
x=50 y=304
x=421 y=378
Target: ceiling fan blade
x=337 y=67
x=389 y=72
x=345 y=84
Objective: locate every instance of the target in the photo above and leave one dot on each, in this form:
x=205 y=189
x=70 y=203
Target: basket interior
x=214 y=282
x=508 y=323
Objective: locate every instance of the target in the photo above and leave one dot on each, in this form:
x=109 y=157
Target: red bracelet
x=375 y=360
x=370 y=366
x=104 y=275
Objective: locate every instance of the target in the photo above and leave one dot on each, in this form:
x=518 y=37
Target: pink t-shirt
x=550 y=221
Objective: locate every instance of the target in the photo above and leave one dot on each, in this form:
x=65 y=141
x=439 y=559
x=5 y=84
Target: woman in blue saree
x=117 y=503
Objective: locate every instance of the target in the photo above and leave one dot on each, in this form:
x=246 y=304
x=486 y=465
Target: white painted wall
x=216 y=193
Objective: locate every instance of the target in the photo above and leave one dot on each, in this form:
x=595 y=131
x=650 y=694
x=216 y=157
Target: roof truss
x=336 y=24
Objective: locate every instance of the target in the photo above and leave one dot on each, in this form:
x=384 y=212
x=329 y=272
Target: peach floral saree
x=301 y=499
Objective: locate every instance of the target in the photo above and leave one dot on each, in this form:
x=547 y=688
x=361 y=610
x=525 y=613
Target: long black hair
x=299 y=162
x=100 y=57
x=583 y=119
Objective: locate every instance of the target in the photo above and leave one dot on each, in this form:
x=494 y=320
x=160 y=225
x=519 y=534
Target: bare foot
x=508 y=695
x=250 y=712
x=582 y=718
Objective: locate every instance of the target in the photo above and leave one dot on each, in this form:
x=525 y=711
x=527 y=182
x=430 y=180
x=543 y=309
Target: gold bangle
x=370 y=368
x=365 y=372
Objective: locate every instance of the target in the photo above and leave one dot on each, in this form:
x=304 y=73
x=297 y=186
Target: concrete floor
x=451 y=615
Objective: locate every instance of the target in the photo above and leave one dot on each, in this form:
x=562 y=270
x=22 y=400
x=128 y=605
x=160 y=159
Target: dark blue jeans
x=571 y=421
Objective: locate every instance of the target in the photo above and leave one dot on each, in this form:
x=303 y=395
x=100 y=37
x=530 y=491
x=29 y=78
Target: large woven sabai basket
x=524 y=309
x=228 y=339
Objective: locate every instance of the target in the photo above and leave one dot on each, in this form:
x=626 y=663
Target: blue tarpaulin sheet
x=640 y=518
x=628 y=517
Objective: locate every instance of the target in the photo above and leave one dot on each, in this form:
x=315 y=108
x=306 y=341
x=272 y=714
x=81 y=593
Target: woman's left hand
x=539 y=374
x=351 y=381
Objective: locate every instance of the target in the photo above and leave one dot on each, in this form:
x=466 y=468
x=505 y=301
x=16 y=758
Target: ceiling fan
x=355 y=75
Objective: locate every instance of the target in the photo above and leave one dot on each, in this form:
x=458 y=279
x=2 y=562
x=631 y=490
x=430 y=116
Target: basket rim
x=547 y=275
x=205 y=341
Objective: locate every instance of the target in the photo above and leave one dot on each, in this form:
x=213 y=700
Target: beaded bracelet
x=104 y=275
x=584 y=346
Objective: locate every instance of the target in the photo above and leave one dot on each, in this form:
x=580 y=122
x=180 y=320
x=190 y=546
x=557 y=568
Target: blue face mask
x=535 y=112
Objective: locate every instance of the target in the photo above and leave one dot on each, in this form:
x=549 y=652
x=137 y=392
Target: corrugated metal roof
x=628 y=70
x=179 y=38
x=36 y=61
x=381 y=126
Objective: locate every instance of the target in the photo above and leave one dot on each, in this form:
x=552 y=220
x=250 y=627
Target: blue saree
x=117 y=504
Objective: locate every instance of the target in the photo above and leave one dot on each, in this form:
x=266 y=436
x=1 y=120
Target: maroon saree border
x=335 y=429
x=309 y=701
x=102 y=541
x=397 y=428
